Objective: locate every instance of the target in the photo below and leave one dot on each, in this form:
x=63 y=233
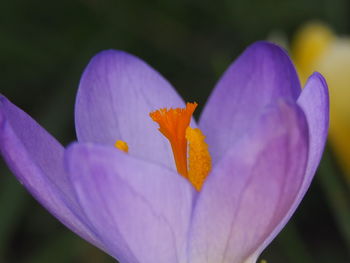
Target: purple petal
x=261 y=75
x=116 y=94
x=314 y=101
x=251 y=189
x=141 y=210
x=36 y=159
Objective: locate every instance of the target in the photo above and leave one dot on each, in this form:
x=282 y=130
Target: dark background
x=44 y=47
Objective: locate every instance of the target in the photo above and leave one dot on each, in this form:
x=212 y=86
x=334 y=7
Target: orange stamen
x=199 y=159
x=121 y=145
x=173 y=124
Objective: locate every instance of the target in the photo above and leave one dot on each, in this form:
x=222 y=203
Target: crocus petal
x=314 y=101
x=116 y=94
x=36 y=159
x=261 y=75
x=252 y=188
x=140 y=209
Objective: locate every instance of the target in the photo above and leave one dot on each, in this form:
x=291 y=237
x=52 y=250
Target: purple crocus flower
x=265 y=138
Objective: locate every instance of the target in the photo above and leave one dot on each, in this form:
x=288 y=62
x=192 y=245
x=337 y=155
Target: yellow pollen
x=174 y=125
x=199 y=159
x=121 y=145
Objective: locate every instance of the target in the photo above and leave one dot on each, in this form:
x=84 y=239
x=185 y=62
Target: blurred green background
x=45 y=46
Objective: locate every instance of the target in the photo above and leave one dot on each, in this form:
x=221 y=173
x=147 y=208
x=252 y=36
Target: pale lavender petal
x=261 y=75
x=116 y=94
x=140 y=209
x=252 y=188
x=314 y=101
x=36 y=159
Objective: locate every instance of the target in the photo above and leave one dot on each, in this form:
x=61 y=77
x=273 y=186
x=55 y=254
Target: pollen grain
x=121 y=145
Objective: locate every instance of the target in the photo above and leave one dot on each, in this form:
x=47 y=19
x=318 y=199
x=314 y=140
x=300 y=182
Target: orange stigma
x=174 y=125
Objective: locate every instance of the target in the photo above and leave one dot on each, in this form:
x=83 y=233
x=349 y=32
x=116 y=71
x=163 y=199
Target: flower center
x=174 y=125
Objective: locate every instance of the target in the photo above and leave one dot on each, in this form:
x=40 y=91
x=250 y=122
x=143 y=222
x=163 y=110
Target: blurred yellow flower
x=317 y=48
